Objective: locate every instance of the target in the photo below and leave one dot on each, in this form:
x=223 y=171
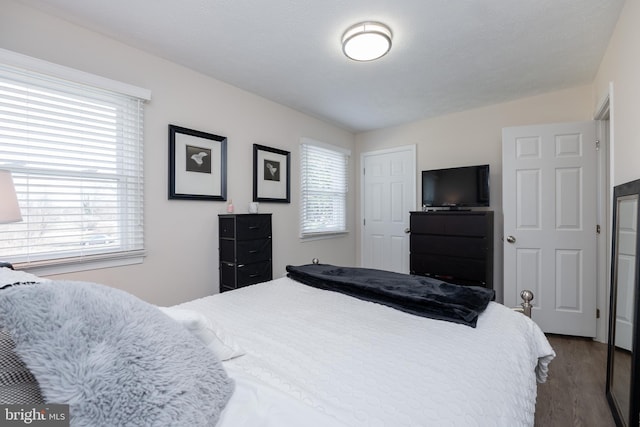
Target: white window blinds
x=324 y=185
x=75 y=153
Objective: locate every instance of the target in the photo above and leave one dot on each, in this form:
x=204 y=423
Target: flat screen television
x=454 y=188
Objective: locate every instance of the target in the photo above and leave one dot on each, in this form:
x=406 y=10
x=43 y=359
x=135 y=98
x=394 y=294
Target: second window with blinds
x=324 y=187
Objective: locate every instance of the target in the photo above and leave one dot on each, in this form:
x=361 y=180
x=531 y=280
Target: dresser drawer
x=227 y=250
x=461 y=246
x=245 y=251
x=238 y=275
x=253 y=227
x=227 y=226
x=245 y=226
x=450 y=268
x=249 y=251
x=227 y=274
x=248 y=274
x=451 y=224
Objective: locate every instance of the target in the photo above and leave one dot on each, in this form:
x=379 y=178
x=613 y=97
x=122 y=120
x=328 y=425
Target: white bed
x=299 y=356
x=314 y=357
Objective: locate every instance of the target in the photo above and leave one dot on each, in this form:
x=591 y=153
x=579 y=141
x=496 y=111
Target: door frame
x=604 y=129
x=393 y=150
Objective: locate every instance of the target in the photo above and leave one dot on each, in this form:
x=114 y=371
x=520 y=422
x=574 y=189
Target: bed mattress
x=325 y=358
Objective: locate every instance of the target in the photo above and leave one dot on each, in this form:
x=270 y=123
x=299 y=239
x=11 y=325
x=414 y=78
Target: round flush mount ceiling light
x=366 y=41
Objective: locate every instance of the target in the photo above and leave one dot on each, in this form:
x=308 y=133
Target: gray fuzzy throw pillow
x=115 y=359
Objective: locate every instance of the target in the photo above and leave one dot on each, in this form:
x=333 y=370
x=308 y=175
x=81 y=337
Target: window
x=324 y=185
x=75 y=153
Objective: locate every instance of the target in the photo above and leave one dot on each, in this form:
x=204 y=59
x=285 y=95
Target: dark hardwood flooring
x=574 y=394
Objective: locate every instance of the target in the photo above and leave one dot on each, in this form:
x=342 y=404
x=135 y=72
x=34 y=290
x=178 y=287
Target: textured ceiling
x=447 y=55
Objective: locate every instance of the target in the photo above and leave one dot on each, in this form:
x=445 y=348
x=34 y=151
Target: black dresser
x=453 y=246
x=245 y=250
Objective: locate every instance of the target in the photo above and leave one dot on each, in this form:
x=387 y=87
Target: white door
x=549 y=205
x=388 y=195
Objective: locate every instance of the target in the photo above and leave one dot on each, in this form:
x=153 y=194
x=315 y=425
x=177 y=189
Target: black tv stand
x=453 y=245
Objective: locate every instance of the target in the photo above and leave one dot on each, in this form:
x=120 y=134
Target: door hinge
x=598 y=229
x=597 y=144
x=364 y=221
x=597 y=313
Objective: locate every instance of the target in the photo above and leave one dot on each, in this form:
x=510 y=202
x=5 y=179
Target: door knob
x=511 y=239
x=407 y=230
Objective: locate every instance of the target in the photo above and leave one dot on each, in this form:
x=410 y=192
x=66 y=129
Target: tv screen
x=466 y=186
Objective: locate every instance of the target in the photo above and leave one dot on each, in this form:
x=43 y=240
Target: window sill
x=322 y=236
x=73 y=265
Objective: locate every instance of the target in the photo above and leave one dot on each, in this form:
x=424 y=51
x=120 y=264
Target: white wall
x=475 y=137
x=621 y=66
x=181 y=236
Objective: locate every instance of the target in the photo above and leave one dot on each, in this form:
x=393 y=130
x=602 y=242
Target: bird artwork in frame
x=271 y=170
x=197 y=165
x=198 y=159
x=271 y=174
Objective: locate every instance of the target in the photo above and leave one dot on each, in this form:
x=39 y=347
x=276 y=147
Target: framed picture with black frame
x=197 y=165
x=271 y=174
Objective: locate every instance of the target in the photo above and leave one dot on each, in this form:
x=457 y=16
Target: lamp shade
x=9 y=208
x=366 y=41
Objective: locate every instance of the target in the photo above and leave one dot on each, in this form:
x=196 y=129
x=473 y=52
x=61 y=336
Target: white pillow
x=10 y=277
x=212 y=335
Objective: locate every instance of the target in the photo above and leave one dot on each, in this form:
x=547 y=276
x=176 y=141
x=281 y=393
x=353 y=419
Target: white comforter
x=321 y=358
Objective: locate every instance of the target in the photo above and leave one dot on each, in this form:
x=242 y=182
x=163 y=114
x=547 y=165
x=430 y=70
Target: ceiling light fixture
x=366 y=41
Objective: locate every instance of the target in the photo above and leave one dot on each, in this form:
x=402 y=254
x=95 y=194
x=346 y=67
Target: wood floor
x=574 y=394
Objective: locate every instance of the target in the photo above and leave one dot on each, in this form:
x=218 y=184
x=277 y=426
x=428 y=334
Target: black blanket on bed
x=422 y=296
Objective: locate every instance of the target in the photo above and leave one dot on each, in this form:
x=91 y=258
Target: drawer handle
x=254 y=227
x=253 y=252
x=253 y=276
